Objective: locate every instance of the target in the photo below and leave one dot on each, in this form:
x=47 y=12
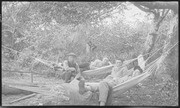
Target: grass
x=151 y=93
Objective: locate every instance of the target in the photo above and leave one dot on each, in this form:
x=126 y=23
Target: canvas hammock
x=107 y=69
x=103 y=70
x=124 y=86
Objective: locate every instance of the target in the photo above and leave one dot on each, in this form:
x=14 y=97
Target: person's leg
x=110 y=96
x=103 y=93
x=81 y=85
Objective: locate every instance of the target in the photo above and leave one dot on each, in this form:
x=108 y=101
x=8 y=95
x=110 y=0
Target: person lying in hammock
x=98 y=63
x=135 y=71
x=118 y=75
x=106 y=85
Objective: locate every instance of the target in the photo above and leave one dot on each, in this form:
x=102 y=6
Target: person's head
x=71 y=57
x=119 y=62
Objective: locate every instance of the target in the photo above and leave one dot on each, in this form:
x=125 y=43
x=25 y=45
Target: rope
x=129 y=61
x=151 y=66
x=153 y=62
x=172 y=47
x=37 y=59
x=155 y=53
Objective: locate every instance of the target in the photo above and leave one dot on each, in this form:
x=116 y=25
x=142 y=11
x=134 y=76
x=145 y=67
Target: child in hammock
x=105 y=86
x=137 y=69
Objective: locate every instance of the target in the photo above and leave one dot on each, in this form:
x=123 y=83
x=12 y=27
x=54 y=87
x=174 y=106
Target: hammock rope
x=37 y=59
x=129 y=61
x=149 y=69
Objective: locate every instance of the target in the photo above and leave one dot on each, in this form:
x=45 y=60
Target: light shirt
x=116 y=74
x=119 y=72
x=141 y=62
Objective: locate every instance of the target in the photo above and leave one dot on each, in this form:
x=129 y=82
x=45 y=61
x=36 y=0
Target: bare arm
x=78 y=69
x=110 y=63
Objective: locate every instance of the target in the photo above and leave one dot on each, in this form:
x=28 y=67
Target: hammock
x=134 y=80
x=107 y=69
x=118 y=89
x=103 y=70
x=99 y=71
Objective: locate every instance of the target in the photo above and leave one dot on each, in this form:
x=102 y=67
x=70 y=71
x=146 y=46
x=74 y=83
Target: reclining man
x=98 y=63
x=71 y=68
x=105 y=86
x=118 y=75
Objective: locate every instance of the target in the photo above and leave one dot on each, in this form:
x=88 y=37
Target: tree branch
x=161 y=20
x=160 y=5
x=141 y=8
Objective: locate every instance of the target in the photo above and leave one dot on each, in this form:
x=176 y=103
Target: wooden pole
x=31 y=76
x=19 y=71
x=25 y=97
x=31 y=69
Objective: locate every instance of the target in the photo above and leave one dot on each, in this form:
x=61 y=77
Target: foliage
x=50 y=30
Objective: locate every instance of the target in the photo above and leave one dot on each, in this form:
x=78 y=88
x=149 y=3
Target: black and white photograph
x=89 y=53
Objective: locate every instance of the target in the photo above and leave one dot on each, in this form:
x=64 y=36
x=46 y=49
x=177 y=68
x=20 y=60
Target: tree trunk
x=150 y=7
x=169 y=43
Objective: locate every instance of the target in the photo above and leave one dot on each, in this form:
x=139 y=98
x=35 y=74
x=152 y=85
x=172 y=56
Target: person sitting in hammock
x=98 y=63
x=105 y=86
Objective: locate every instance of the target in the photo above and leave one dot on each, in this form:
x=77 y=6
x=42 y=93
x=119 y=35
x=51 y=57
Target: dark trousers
x=84 y=67
x=67 y=75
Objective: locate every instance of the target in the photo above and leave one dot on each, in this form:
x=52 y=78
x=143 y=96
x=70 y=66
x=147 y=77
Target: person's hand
x=114 y=79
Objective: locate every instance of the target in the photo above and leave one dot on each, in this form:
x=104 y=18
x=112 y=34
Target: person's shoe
x=102 y=104
x=82 y=89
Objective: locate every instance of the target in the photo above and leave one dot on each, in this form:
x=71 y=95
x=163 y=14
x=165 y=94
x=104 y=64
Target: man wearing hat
x=71 y=68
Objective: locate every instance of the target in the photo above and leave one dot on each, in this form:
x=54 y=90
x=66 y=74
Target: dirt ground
x=149 y=93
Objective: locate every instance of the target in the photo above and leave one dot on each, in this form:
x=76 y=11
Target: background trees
x=50 y=30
